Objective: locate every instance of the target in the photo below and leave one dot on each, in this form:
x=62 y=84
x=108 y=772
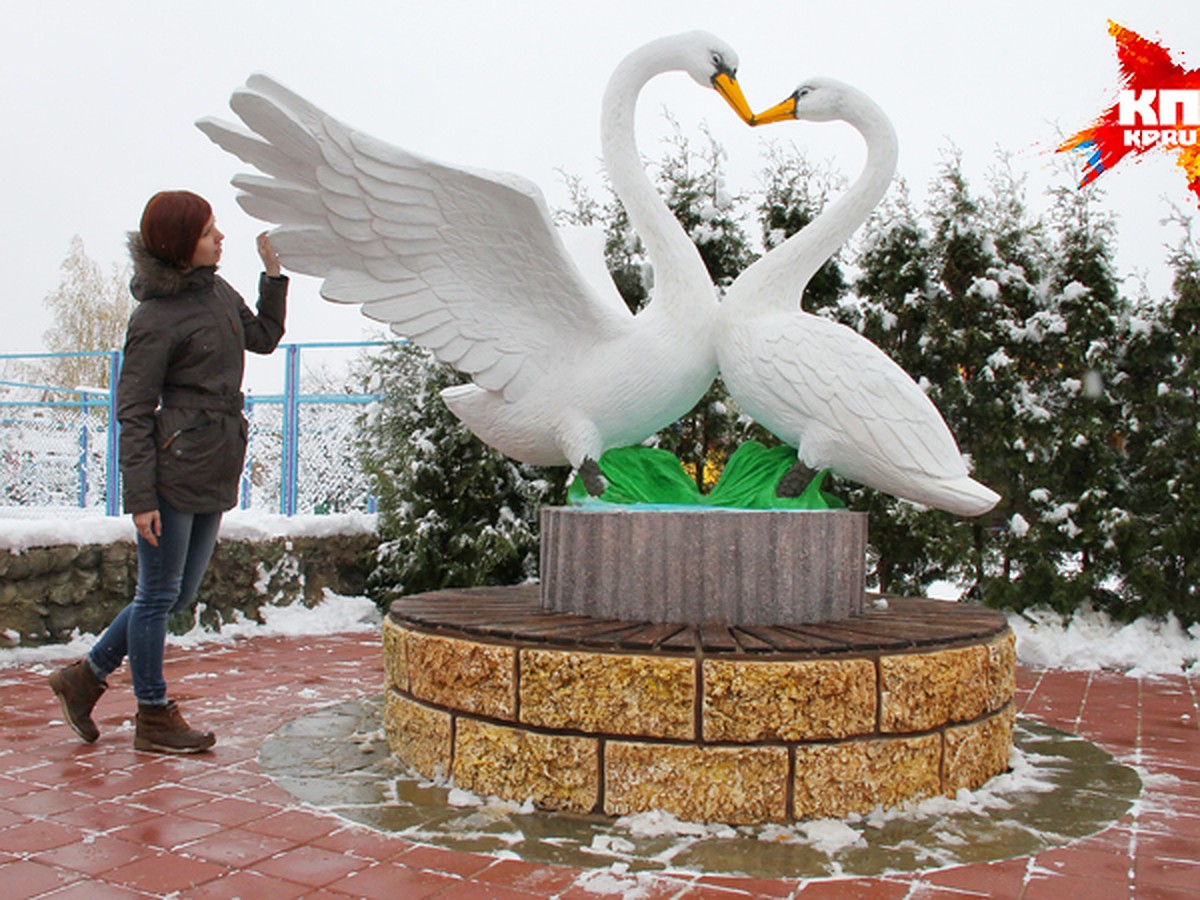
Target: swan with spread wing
x=820 y=386
x=468 y=264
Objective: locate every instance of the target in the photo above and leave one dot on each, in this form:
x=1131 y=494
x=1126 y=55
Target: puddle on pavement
x=1061 y=788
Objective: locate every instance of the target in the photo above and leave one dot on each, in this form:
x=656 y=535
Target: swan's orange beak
x=777 y=113
x=727 y=86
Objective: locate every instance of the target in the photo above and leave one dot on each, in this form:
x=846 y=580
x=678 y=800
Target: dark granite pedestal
x=737 y=567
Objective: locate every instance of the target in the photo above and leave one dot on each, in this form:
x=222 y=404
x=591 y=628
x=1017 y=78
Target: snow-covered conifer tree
x=1158 y=530
x=1071 y=479
x=453 y=512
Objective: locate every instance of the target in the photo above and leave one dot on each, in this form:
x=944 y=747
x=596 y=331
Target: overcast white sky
x=99 y=101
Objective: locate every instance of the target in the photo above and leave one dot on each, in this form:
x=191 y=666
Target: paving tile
x=854 y=889
x=364 y=843
x=447 y=862
x=165 y=873
x=45 y=802
x=1057 y=887
x=1113 y=867
x=604 y=882
x=245 y=885
x=270 y=794
x=311 y=866
x=165 y=832
x=22 y=878
x=1168 y=819
x=300 y=826
x=469 y=890
x=35 y=836
x=17 y=760
x=169 y=798
x=229 y=780
x=1175 y=873
x=534 y=878
x=226 y=811
x=61 y=773
x=388 y=880
x=755 y=887
x=1179 y=844
x=1000 y=879
x=704 y=890
x=102 y=815
x=118 y=783
x=93 y=889
x=1118 y=839
x=92 y=855
x=14 y=787
x=237 y=848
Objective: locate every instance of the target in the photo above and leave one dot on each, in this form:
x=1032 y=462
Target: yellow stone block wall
x=855 y=776
x=609 y=693
x=919 y=691
x=732 y=740
x=748 y=701
x=1002 y=671
x=460 y=674
x=976 y=752
x=738 y=785
x=395 y=661
x=421 y=738
x=554 y=771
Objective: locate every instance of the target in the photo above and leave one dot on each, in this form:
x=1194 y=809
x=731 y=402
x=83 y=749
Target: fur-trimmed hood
x=154 y=278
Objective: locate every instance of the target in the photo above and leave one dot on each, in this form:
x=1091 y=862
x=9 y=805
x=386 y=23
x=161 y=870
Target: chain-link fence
x=58 y=452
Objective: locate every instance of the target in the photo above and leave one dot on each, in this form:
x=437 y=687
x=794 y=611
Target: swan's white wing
x=826 y=379
x=585 y=244
x=464 y=262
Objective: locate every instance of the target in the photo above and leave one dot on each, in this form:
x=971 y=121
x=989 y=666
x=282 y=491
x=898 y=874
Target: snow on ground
x=22 y=529
x=1087 y=640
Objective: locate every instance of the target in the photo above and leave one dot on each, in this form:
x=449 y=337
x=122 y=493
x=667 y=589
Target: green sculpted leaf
x=648 y=476
x=641 y=475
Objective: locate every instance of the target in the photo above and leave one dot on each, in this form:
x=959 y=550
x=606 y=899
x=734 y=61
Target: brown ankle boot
x=161 y=729
x=78 y=689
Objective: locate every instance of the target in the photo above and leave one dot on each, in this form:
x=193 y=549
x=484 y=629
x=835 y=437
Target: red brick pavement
x=98 y=821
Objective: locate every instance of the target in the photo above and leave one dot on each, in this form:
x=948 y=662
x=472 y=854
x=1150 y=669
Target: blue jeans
x=168 y=578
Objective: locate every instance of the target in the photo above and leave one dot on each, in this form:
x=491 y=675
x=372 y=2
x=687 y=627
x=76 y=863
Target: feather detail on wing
x=832 y=381
x=464 y=262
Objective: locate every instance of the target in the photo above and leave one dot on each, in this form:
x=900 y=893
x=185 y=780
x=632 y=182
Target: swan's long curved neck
x=679 y=270
x=799 y=257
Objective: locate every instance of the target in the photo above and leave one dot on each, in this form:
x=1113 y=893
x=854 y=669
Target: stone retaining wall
x=705 y=735
x=48 y=592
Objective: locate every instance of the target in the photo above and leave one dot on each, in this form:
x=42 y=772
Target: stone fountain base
x=738 y=724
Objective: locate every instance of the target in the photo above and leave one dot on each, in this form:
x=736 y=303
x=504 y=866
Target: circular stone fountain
x=713 y=721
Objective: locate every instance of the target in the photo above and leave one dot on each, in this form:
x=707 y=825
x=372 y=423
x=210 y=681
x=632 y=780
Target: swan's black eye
x=718 y=61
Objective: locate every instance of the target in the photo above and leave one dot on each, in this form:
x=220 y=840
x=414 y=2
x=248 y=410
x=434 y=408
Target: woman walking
x=182 y=447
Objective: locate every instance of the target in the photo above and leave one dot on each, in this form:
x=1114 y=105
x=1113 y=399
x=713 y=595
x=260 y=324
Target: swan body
x=820 y=386
x=468 y=264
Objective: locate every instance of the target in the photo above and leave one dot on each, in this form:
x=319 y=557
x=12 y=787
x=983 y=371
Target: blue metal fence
x=301 y=456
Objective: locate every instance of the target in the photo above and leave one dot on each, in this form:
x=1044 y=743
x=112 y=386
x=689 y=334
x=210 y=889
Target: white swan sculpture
x=469 y=265
x=819 y=386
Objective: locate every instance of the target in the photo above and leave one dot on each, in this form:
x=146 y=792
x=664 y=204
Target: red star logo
x=1158 y=108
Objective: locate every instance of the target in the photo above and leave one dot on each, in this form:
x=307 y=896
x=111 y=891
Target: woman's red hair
x=172 y=224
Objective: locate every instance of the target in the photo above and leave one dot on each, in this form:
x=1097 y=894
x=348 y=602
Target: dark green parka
x=179 y=399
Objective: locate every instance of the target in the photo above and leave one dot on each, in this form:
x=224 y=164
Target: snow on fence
x=57 y=450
